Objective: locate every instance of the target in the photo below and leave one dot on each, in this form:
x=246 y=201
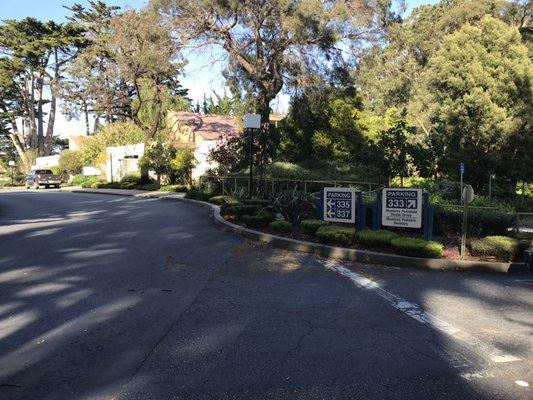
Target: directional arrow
x=330 y=203
x=330 y=213
x=411 y=204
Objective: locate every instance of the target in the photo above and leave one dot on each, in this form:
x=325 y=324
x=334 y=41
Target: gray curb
x=342 y=253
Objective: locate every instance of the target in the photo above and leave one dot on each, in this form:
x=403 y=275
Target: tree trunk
x=40 y=127
x=86 y=113
x=49 y=139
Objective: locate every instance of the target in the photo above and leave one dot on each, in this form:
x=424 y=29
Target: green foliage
x=448 y=221
x=281 y=226
x=337 y=235
x=174 y=188
x=379 y=238
x=256 y=202
x=158 y=158
x=415 y=247
x=479 y=84
x=310 y=226
x=182 y=165
x=259 y=220
x=502 y=248
x=293 y=205
x=223 y=200
x=150 y=186
x=92 y=148
x=106 y=185
x=238 y=210
x=85 y=181
x=70 y=162
x=130 y=181
x=196 y=194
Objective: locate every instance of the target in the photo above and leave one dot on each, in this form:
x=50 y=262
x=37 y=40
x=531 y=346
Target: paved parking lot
x=108 y=297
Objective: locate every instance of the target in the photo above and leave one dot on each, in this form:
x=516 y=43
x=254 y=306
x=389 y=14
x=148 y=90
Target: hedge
x=414 y=247
x=332 y=234
x=259 y=220
x=196 y=194
x=310 y=226
x=238 y=210
x=257 y=202
x=502 y=248
x=448 y=221
x=281 y=226
x=380 y=238
x=223 y=200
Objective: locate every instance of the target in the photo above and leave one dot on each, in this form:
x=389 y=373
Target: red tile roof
x=209 y=127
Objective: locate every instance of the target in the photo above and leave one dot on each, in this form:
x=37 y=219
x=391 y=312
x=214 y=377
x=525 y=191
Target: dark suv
x=45 y=177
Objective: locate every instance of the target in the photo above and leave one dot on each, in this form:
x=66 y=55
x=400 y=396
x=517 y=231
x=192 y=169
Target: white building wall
x=46 y=162
x=122 y=160
x=201 y=154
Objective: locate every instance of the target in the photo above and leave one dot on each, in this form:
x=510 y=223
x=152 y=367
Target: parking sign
x=402 y=208
x=339 y=204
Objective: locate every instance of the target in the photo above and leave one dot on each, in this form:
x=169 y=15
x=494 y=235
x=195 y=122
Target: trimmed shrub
x=281 y=226
x=151 y=187
x=502 y=248
x=219 y=200
x=79 y=180
x=91 y=183
x=415 y=247
x=196 y=194
x=481 y=223
x=380 y=238
x=259 y=220
x=174 y=188
x=332 y=234
x=130 y=181
x=238 y=210
x=105 y=185
x=310 y=226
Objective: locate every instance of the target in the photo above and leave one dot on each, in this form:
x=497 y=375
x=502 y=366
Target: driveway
x=108 y=297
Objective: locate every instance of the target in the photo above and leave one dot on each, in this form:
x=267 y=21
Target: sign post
x=467 y=197
x=339 y=204
x=251 y=122
x=12 y=166
x=402 y=208
x=462 y=171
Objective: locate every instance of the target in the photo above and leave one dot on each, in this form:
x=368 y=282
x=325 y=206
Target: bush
x=259 y=220
x=238 y=210
x=196 y=194
x=310 y=226
x=79 y=180
x=332 y=234
x=256 y=202
x=105 y=185
x=223 y=200
x=151 y=186
x=380 y=238
x=130 y=181
x=499 y=247
x=174 y=188
x=448 y=221
x=409 y=246
x=281 y=226
x=89 y=181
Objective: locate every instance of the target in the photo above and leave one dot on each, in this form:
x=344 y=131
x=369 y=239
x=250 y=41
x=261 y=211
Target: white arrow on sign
x=330 y=203
x=411 y=204
x=330 y=213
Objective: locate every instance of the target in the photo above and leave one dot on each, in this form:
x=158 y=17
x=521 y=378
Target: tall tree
x=33 y=56
x=478 y=98
x=274 y=42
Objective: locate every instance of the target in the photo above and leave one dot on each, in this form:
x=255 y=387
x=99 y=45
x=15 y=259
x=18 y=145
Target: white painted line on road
x=522 y=383
x=416 y=312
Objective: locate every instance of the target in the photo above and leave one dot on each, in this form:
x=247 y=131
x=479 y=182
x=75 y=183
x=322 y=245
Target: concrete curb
x=342 y=253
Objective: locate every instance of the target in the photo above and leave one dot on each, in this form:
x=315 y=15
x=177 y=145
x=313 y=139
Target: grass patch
x=219 y=200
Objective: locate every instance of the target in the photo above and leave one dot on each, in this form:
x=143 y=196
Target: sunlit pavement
x=107 y=297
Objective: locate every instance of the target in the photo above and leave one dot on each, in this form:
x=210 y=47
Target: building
x=123 y=160
x=201 y=134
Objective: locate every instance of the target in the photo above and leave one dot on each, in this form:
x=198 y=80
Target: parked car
x=40 y=177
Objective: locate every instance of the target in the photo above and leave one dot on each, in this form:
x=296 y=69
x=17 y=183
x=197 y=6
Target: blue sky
x=203 y=71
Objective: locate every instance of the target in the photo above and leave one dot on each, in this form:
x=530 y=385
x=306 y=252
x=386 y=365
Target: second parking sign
x=339 y=204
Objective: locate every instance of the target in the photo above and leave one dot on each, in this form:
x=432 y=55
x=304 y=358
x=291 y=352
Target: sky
x=202 y=74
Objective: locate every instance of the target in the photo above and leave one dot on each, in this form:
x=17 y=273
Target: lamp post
x=251 y=122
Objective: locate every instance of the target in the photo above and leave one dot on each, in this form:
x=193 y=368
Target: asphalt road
x=107 y=297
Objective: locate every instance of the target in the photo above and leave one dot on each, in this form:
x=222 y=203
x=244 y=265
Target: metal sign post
x=12 y=167
x=462 y=171
x=251 y=122
x=467 y=198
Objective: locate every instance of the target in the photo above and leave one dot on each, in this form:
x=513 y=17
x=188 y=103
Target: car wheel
x=47 y=186
x=27 y=186
x=57 y=186
x=35 y=185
